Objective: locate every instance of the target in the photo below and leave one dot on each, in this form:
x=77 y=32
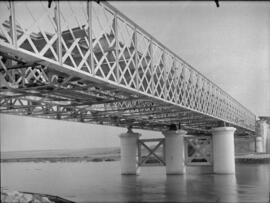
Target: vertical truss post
x=81 y=116
x=151 y=66
x=139 y=152
x=30 y=108
x=13 y=24
x=164 y=151
x=135 y=40
x=174 y=79
x=59 y=34
x=115 y=28
x=165 y=74
x=90 y=34
x=58 y=115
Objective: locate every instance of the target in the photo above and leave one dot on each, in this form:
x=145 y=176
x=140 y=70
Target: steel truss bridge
x=87 y=62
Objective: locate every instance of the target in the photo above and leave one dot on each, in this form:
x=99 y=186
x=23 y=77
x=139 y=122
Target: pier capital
x=174 y=133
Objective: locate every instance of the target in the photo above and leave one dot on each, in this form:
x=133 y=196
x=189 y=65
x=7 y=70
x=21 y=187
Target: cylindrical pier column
x=223 y=150
x=261 y=131
x=259 y=144
x=128 y=153
x=175 y=152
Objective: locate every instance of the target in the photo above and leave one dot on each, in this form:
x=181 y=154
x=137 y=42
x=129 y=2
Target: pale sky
x=230 y=45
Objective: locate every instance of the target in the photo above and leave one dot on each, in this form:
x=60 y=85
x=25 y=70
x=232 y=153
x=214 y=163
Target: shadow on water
x=225 y=188
x=175 y=188
x=180 y=188
x=131 y=188
x=202 y=188
x=249 y=184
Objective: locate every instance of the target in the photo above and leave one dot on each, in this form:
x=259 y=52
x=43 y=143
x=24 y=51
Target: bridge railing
x=99 y=41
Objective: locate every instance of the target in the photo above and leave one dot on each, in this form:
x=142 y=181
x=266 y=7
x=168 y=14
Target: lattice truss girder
x=32 y=89
x=63 y=51
x=35 y=90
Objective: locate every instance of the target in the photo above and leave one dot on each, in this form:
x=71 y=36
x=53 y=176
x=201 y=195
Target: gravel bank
x=9 y=196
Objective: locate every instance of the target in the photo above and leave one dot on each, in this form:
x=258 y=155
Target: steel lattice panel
x=88 y=62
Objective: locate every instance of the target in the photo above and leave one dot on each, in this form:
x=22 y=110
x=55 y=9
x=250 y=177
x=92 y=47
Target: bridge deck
x=87 y=62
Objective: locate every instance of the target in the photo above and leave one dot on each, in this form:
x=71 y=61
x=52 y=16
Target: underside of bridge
x=94 y=65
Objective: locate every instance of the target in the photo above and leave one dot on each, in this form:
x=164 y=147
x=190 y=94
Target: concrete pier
x=262 y=138
x=259 y=144
x=129 y=153
x=175 y=152
x=223 y=150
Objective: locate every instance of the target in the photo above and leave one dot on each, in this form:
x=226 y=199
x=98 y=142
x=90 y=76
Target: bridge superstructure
x=88 y=62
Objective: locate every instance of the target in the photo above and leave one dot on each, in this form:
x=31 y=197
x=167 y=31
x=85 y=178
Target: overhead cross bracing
x=87 y=62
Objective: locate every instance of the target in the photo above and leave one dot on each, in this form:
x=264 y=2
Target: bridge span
x=88 y=62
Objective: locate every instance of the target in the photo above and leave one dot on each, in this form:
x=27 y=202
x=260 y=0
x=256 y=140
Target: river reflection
x=201 y=188
x=176 y=188
x=225 y=188
x=102 y=182
x=131 y=188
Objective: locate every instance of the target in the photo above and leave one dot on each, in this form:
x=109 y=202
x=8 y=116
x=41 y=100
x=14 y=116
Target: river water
x=102 y=182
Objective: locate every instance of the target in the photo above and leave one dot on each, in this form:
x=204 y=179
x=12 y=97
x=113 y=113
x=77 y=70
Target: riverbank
x=64 y=159
x=253 y=158
x=101 y=155
x=8 y=196
x=52 y=156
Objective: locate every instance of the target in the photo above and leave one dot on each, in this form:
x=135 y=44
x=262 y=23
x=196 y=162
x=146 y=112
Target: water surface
x=102 y=182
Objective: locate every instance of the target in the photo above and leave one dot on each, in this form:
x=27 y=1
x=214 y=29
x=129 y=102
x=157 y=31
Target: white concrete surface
x=262 y=131
x=128 y=142
x=259 y=144
x=175 y=152
x=223 y=150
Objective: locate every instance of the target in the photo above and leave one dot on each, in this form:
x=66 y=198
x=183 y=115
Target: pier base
x=128 y=153
x=223 y=150
x=175 y=152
